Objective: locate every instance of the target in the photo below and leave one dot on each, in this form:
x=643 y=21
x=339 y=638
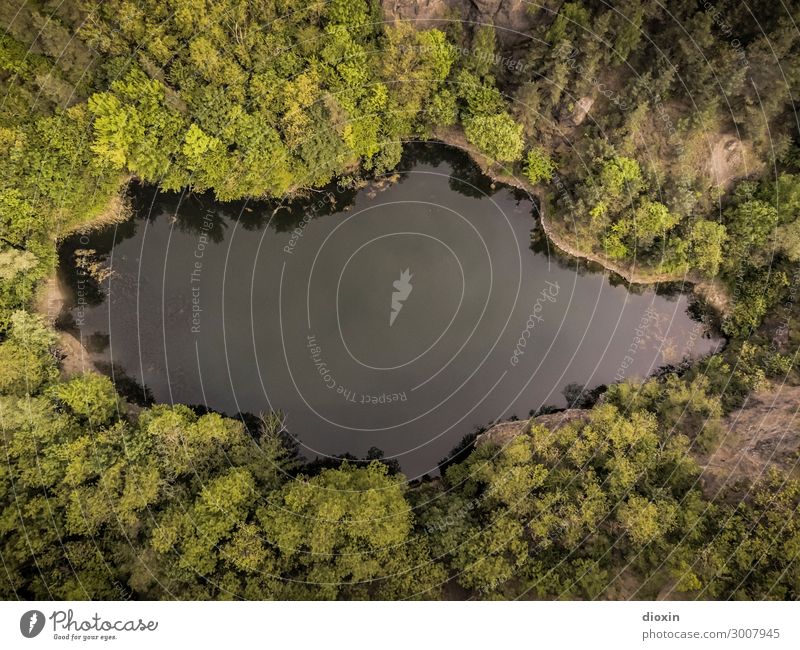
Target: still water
x=401 y=315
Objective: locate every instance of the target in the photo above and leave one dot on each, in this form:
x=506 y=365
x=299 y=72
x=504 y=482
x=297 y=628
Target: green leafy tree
x=348 y=533
x=749 y=225
x=481 y=59
x=651 y=220
x=482 y=98
x=707 y=241
x=135 y=130
x=497 y=136
x=618 y=174
x=27 y=362
x=539 y=166
x=90 y=397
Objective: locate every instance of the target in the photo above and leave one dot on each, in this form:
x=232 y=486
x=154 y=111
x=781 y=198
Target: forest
x=664 y=141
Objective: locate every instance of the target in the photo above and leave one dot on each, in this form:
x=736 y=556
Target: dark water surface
x=249 y=308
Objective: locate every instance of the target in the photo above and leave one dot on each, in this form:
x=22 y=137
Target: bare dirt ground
x=764 y=432
x=74 y=358
x=730 y=160
x=50 y=299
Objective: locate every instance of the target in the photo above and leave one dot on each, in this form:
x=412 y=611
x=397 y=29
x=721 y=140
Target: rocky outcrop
x=574 y=114
x=425 y=14
x=511 y=18
x=501 y=434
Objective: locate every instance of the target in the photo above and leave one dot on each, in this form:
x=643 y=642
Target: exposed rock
x=425 y=14
x=502 y=433
x=575 y=114
x=554 y=421
x=510 y=17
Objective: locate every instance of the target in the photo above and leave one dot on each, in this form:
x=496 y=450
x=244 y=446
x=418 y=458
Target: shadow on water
x=127 y=386
x=465 y=176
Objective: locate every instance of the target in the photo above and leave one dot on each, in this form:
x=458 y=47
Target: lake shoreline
x=53 y=296
x=711 y=291
x=119 y=211
x=530 y=321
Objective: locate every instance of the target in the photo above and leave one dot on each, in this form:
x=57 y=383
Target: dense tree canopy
x=96 y=504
